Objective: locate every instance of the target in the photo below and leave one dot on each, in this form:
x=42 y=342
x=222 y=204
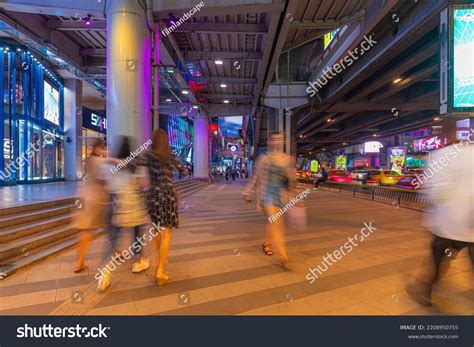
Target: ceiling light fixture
x=185 y=92
x=226 y=101
x=218 y=62
x=223 y=85
x=397 y=80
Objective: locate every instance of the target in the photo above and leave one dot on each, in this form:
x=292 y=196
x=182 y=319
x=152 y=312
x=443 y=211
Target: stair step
x=36 y=206
x=27 y=229
x=26 y=245
x=40 y=254
x=31 y=233
x=31 y=216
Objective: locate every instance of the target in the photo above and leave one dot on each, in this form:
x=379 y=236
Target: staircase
x=187 y=187
x=31 y=233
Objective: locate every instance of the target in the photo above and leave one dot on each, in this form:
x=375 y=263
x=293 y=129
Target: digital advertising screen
x=463 y=57
x=341 y=162
x=180 y=136
x=397 y=158
x=51 y=103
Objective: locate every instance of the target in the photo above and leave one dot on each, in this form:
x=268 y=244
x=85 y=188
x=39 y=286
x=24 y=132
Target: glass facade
x=32 y=115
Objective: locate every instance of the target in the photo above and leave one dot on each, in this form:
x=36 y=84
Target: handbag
x=296 y=217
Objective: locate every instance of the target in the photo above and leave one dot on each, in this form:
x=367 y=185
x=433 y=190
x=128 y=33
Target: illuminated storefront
x=94 y=127
x=32 y=115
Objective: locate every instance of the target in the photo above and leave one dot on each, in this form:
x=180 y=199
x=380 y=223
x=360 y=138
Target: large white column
x=201 y=146
x=128 y=72
x=73 y=129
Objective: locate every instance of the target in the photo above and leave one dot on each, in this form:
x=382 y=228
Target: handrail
x=398 y=197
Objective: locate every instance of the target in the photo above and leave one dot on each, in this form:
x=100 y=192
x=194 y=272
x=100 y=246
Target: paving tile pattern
x=217 y=266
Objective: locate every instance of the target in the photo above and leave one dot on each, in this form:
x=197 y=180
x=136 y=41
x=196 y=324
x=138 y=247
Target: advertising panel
x=51 y=103
x=463 y=56
x=397 y=157
x=341 y=162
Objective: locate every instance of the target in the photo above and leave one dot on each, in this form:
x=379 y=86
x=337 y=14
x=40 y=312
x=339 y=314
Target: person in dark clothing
x=323 y=178
x=233 y=174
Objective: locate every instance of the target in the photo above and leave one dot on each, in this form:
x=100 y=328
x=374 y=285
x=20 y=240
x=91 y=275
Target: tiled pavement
x=217 y=267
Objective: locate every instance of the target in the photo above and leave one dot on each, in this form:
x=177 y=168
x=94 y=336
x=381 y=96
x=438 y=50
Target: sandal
x=80 y=269
x=267 y=249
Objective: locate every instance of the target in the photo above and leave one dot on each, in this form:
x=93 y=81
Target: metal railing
x=398 y=197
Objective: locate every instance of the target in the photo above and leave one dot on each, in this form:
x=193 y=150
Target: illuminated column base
x=201 y=147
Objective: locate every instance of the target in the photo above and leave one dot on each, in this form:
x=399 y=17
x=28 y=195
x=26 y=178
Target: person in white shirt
x=449 y=181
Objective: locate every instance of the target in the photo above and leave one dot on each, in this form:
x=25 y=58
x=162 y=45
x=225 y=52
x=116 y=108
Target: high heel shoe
x=161 y=278
x=104 y=283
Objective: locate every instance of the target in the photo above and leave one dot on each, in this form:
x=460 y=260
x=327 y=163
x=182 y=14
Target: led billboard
x=463 y=57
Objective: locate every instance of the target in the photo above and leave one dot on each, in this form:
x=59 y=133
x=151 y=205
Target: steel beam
x=218 y=80
x=75 y=25
x=223 y=55
x=227 y=28
x=222 y=10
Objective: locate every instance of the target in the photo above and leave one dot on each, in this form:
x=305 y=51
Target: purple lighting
x=87 y=20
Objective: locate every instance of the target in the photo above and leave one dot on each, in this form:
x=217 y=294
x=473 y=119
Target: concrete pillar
x=288 y=133
x=128 y=72
x=201 y=146
x=73 y=129
x=281 y=119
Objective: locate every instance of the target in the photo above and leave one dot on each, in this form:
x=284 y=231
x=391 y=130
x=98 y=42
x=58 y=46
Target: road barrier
x=398 y=197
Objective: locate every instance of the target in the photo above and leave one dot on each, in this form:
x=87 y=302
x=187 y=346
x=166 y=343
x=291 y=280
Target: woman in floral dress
x=161 y=198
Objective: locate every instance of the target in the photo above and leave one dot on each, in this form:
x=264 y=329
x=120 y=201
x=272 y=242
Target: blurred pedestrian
x=129 y=211
x=450 y=189
x=323 y=178
x=96 y=201
x=273 y=179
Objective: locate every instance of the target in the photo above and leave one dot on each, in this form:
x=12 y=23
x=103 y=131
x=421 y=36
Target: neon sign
x=99 y=121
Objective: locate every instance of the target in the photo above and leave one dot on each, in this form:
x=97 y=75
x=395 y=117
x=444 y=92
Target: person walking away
x=274 y=176
x=129 y=211
x=451 y=215
x=323 y=178
x=161 y=198
x=96 y=202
